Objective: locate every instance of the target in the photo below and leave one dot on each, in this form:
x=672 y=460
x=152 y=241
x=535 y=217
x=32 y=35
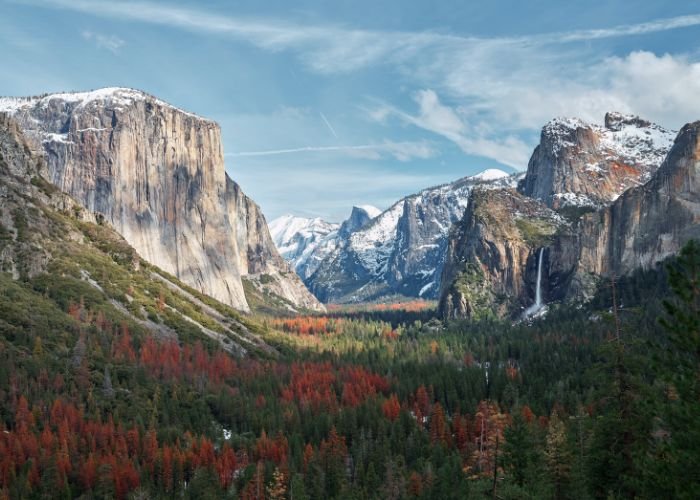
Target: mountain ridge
x=400 y=251
x=647 y=222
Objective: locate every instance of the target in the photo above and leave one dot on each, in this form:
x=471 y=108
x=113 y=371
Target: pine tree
x=558 y=456
x=674 y=461
x=622 y=426
x=518 y=450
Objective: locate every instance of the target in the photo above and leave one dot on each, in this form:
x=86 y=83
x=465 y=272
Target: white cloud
x=109 y=42
x=333 y=48
x=446 y=122
x=495 y=90
x=660 y=87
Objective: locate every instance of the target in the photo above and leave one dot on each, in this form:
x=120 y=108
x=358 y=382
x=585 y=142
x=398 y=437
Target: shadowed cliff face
x=492 y=254
x=156 y=173
x=642 y=227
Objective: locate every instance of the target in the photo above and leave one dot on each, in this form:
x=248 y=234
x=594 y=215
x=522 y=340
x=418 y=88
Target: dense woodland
x=600 y=401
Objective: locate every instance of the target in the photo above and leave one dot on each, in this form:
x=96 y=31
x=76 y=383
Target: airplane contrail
x=306 y=149
x=328 y=124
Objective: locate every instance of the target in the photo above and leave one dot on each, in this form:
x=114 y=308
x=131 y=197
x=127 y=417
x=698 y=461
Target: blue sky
x=324 y=105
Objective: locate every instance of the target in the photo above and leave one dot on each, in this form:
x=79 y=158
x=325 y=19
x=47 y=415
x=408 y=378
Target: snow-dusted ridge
x=402 y=249
x=371 y=210
x=303 y=241
x=590 y=165
x=116 y=96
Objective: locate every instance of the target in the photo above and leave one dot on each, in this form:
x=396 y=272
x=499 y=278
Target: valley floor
x=361 y=402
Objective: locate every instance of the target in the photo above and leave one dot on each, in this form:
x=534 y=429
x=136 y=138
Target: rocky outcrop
x=24 y=196
x=402 y=250
x=259 y=260
x=492 y=255
x=578 y=164
x=642 y=227
x=156 y=174
x=491 y=265
x=359 y=218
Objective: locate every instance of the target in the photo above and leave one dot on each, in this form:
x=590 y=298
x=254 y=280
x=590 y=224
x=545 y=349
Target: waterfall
x=538 y=290
x=534 y=308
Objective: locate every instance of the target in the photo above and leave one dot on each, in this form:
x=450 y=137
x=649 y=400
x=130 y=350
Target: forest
x=382 y=401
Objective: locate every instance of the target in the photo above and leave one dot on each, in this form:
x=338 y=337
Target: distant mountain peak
x=490 y=174
x=401 y=250
x=370 y=210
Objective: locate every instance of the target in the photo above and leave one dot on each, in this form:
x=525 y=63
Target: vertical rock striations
x=643 y=226
x=492 y=255
x=156 y=174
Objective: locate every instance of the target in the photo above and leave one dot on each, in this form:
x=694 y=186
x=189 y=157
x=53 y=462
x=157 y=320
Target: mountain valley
x=502 y=336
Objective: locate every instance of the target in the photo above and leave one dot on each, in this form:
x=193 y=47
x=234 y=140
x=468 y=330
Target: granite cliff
x=641 y=228
x=578 y=164
x=55 y=257
x=493 y=254
x=156 y=174
x=628 y=222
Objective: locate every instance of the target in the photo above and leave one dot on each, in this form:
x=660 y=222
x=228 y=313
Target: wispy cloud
x=445 y=121
x=402 y=151
x=337 y=48
x=500 y=89
x=109 y=42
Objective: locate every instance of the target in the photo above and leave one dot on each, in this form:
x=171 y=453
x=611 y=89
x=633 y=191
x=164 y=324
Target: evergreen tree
x=622 y=425
x=673 y=465
x=519 y=450
x=558 y=456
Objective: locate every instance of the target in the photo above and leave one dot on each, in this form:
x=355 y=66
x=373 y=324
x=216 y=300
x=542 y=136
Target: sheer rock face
x=643 y=226
x=156 y=174
x=583 y=165
x=492 y=255
x=359 y=217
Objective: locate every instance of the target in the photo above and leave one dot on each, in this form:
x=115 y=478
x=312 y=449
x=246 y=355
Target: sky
x=325 y=105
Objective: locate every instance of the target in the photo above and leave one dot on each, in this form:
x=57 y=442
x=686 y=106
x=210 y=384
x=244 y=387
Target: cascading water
x=535 y=308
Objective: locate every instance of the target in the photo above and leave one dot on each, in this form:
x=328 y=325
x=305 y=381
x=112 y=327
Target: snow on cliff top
x=374 y=243
x=117 y=96
x=628 y=136
x=490 y=174
x=371 y=210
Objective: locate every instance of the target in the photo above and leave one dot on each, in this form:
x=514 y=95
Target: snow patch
x=115 y=96
x=426 y=288
x=370 y=210
x=490 y=174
